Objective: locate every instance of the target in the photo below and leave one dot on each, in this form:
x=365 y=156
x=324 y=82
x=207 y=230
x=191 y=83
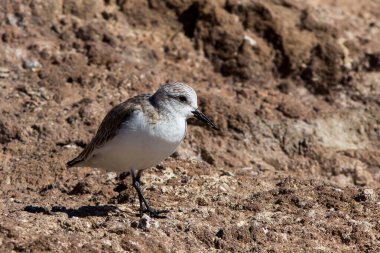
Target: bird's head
x=181 y=100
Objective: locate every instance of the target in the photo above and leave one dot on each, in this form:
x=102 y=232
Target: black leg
x=144 y=204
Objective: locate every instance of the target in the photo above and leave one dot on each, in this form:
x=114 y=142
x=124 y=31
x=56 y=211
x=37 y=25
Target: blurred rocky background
x=293 y=84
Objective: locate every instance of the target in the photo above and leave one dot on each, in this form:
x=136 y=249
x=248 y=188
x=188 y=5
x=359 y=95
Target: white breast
x=140 y=145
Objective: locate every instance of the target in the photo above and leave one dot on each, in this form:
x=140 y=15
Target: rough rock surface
x=293 y=84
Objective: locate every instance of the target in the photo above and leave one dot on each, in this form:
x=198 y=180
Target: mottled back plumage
x=111 y=123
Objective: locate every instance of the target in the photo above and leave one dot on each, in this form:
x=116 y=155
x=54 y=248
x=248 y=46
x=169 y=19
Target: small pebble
x=250 y=41
x=147 y=222
x=31 y=64
x=4 y=72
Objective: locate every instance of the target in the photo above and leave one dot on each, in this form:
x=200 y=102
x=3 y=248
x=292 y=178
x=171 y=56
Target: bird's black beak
x=204 y=118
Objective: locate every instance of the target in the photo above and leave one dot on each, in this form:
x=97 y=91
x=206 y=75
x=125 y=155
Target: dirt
x=294 y=86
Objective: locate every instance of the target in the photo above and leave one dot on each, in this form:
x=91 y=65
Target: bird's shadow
x=81 y=212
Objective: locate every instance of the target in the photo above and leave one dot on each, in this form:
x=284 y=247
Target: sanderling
x=141 y=132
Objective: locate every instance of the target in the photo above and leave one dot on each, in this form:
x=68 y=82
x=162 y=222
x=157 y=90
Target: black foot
x=153 y=213
x=144 y=204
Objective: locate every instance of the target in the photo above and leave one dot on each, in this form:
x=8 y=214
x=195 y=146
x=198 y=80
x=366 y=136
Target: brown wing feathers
x=109 y=127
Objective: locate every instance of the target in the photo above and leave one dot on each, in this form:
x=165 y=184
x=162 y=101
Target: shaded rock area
x=294 y=86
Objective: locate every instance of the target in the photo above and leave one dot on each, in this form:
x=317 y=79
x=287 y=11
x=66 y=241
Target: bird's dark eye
x=182 y=98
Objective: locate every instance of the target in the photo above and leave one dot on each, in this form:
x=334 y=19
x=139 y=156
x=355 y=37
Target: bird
x=141 y=132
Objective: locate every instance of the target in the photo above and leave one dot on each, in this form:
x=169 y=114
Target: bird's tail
x=75 y=162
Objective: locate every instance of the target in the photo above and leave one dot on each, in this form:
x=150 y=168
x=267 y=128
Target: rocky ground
x=293 y=84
